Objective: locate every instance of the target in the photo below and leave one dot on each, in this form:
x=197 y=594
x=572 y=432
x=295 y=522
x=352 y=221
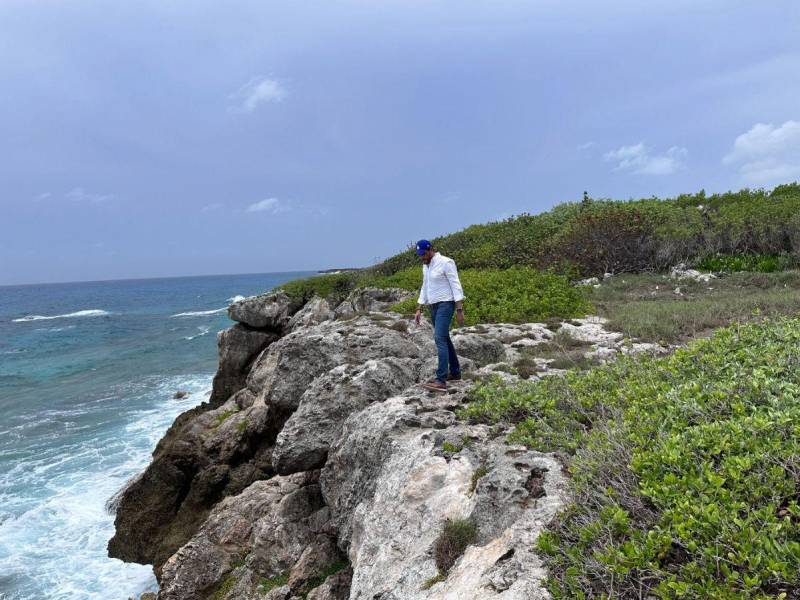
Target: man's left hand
x=460 y=318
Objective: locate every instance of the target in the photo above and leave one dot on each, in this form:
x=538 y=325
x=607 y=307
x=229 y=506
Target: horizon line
x=6 y=285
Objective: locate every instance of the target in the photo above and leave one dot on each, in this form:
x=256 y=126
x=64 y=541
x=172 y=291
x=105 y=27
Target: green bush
x=622 y=236
x=334 y=287
x=515 y=295
x=575 y=239
x=685 y=468
x=760 y=263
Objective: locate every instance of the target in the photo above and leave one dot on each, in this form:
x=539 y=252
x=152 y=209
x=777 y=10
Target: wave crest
x=201 y=313
x=94 y=312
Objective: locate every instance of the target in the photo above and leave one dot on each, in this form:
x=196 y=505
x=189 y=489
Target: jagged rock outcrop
x=323 y=474
x=267 y=311
x=238 y=347
x=304 y=441
x=391 y=486
x=371 y=300
x=314 y=312
x=278 y=528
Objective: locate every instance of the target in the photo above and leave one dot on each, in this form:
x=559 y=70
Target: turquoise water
x=87 y=377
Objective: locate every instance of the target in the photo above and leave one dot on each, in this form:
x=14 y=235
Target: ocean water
x=88 y=372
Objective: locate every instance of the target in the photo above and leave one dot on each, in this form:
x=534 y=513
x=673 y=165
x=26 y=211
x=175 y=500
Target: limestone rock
x=304 y=441
x=335 y=587
x=282 y=373
x=238 y=347
x=480 y=348
x=681 y=272
x=390 y=488
x=314 y=312
x=266 y=311
x=205 y=456
x=274 y=528
x=371 y=300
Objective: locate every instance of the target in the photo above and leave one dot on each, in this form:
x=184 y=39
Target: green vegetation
x=749 y=230
x=642 y=235
x=685 y=468
x=432 y=581
x=454 y=538
x=451 y=447
x=267 y=584
x=476 y=476
x=225 y=586
x=516 y=295
x=334 y=287
x=746 y=262
x=646 y=306
x=223 y=416
x=326 y=572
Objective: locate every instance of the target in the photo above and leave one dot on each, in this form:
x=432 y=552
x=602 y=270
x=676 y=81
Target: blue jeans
x=441 y=316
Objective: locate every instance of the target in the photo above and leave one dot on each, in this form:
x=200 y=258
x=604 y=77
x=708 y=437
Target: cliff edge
x=320 y=469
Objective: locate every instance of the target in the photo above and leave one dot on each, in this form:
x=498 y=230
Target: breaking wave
x=94 y=312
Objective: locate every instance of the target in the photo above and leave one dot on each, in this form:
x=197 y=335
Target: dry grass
x=456 y=535
x=646 y=307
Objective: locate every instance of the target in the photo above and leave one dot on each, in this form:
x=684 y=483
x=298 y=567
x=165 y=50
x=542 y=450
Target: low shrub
x=623 y=236
x=685 y=468
x=335 y=287
x=454 y=538
x=760 y=263
x=515 y=295
x=267 y=584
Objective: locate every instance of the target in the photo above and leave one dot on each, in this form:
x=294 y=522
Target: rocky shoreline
x=320 y=469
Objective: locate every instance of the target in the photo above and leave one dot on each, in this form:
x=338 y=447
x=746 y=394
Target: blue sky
x=167 y=138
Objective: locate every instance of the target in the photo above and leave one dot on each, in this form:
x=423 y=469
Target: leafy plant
x=514 y=295
x=685 y=468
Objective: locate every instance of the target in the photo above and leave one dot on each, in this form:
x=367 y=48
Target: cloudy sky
x=158 y=138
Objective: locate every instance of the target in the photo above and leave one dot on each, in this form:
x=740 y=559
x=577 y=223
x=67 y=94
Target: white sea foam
x=55 y=329
x=205 y=313
x=54 y=529
x=201 y=313
x=94 y=312
x=203 y=331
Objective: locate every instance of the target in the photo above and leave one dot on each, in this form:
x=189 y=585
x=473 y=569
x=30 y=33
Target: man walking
x=441 y=291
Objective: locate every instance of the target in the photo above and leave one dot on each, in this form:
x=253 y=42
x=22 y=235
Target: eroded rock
x=238 y=347
x=266 y=311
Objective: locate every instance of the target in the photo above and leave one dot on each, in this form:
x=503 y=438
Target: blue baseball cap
x=423 y=246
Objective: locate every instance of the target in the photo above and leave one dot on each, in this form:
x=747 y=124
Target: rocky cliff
x=320 y=469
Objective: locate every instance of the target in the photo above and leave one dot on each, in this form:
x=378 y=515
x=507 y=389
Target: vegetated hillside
x=602 y=236
x=685 y=469
x=521 y=269
x=748 y=230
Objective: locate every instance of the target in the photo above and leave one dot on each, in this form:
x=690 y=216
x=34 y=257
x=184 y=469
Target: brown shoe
x=435 y=386
x=452 y=377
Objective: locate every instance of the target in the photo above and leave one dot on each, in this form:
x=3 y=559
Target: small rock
x=589 y=281
x=180 y=394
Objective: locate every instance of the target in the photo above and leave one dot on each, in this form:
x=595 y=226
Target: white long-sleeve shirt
x=440 y=281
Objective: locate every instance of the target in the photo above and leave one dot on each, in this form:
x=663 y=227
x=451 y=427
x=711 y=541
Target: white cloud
x=43 y=196
x=639 y=159
x=257 y=91
x=586 y=145
x=767 y=155
x=212 y=207
x=79 y=194
x=270 y=205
